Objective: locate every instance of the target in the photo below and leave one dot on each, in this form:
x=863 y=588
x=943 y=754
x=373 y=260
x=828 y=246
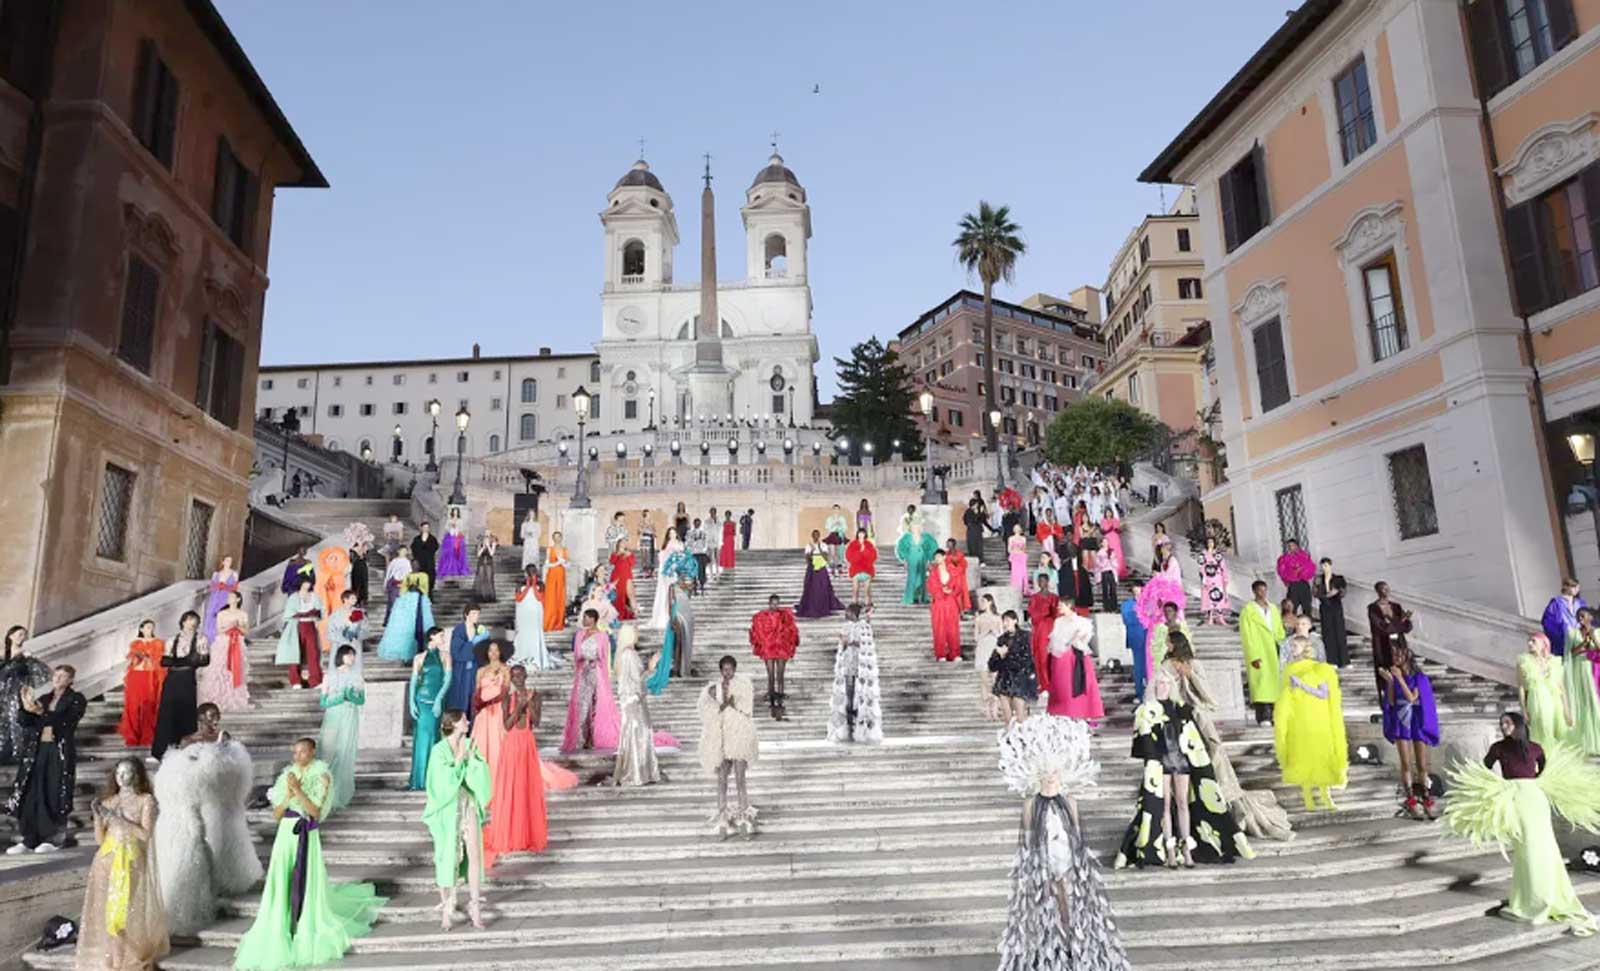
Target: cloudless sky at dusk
x=471 y=145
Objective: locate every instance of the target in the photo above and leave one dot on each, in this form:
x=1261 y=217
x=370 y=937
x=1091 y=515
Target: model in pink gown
x=488 y=720
x=1074 y=691
x=1111 y=541
x=592 y=699
x=1163 y=588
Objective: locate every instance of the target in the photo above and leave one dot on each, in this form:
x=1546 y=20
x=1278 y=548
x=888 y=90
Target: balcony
x=630 y=279
x=777 y=273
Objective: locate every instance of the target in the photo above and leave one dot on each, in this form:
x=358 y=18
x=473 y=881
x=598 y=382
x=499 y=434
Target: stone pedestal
x=580 y=531
x=1225 y=676
x=936 y=522
x=1111 y=640
x=383 y=717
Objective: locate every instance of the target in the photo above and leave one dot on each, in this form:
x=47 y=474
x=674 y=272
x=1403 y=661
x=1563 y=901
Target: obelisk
x=708 y=376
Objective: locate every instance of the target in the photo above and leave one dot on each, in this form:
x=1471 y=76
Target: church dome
x=641 y=175
x=775 y=171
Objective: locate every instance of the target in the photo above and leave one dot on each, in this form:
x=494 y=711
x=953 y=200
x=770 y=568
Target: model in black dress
x=175 y=716
x=1329 y=588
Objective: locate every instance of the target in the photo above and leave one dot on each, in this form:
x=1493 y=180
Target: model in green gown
x=318 y=925
x=915 y=549
x=459 y=791
x=430 y=679
x=343 y=694
x=1583 y=695
x=1541 y=679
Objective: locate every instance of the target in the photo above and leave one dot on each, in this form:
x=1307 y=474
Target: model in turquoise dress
x=343 y=694
x=678 y=568
x=915 y=549
x=409 y=620
x=317 y=924
x=430 y=679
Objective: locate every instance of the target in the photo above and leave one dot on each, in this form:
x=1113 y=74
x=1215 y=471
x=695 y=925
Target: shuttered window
x=1291 y=506
x=1357 y=129
x=1243 y=192
x=116 y=505
x=1272 y=365
x=1411 y=488
x=197 y=545
x=217 y=389
x=141 y=293
x=155 y=105
x=1552 y=242
x=235 y=195
x=1512 y=37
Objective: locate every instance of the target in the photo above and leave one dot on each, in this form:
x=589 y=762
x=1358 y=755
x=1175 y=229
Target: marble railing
x=607 y=478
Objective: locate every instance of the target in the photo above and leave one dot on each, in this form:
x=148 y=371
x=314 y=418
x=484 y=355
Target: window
x=494 y=443
x=266 y=414
x=1144 y=249
x=777 y=404
x=930 y=377
x=1512 y=37
x=1552 y=241
x=116 y=501
x=369 y=380
x=338 y=381
x=1183 y=241
x=496 y=375
x=530 y=391
x=1088 y=362
x=1385 y=316
x=980 y=359
x=221 y=375
x=1189 y=288
x=235 y=196
x=1414 y=512
x=197 y=545
x=1145 y=299
x=983 y=390
x=594 y=369
x=1243 y=193
x=1291 y=506
x=496 y=404
x=433 y=377
x=561 y=372
x=630 y=409
x=139 y=298
x=946 y=368
x=399 y=408
x=956 y=418
x=594 y=402
x=1072 y=381
x=1052 y=402
x=1353 y=97
x=155 y=105
x=302 y=383
x=632 y=260
x=527 y=428
x=1133 y=389
x=561 y=402
x=367 y=411
x=1272 y=366
x=399 y=379
x=462 y=377
x=1022 y=345
x=461 y=404
x=266 y=384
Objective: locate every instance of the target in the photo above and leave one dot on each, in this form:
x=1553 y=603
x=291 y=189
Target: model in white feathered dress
x=202 y=835
x=855 y=710
x=728 y=744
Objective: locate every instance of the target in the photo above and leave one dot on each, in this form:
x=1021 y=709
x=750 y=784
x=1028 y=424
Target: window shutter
x=233 y=380
x=1489 y=49
x=1258 y=162
x=224 y=186
x=1230 y=212
x=1590 y=179
x=1563 y=25
x=146 y=88
x=141 y=294
x=166 y=115
x=1527 y=264
x=250 y=202
x=208 y=352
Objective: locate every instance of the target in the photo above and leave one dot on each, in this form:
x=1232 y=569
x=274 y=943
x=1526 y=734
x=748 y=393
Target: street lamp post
x=1582 y=445
x=433 y=438
x=929 y=496
x=458 y=497
x=652 y=424
x=791 y=406
x=999 y=462
x=580 y=488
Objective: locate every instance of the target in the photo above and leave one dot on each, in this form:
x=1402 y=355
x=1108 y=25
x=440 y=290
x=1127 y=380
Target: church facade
x=650 y=321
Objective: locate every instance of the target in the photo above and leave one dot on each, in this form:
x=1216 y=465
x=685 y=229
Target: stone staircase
x=887 y=856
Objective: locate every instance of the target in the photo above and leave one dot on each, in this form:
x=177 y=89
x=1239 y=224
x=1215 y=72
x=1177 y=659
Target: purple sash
x=303 y=827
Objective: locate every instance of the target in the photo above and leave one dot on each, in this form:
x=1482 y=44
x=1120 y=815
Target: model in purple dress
x=817 y=599
x=223 y=582
x=1561 y=616
x=453 y=551
x=1411 y=722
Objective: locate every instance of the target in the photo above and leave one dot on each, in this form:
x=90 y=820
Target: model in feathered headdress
x=1058 y=917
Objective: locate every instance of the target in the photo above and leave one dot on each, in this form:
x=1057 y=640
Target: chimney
x=477 y=351
x=544 y=352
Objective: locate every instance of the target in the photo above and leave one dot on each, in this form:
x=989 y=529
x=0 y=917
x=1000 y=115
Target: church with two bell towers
x=660 y=357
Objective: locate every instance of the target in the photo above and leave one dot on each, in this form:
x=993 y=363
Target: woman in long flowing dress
x=483 y=573
x=986 y=628
x=1111 y=540
x=517 y=812
x=223 y=582
x=1541 y=686
x=1329 y=587
x=1583 y=696
x=1213 y=585
x=555 y=584
x=1514 y=808
x=141 y=687
x=175 y=715
x=593 y=721
x=405 y=629
x=453 y=551
x=622 y=564
x=528 y=647
x=816 y=597
x=725 y=553
x=226 y=683
x=1255 y=810
x=1017 y=553
x=944 y=615
x=488 y=700
x=529 y=532
x=300 y=642
x=915 y=550
x=304 y=918
x=124 y=925
x=1074 y=690
x=1308 y=726
x=460 y=791
x=343 y=694
x=430 y=681
x=18 y=670
x=636 y=762
x=659 y=616
x=855 y=708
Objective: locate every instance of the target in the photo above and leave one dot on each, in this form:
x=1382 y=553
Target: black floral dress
x=1014 y=674
x=1166 y=741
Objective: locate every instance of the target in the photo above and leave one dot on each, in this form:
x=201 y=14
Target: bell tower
x=777 y=226
x=641 y=232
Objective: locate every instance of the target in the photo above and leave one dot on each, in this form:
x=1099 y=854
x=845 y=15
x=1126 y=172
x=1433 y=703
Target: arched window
x=366 y=443
x=494 y=444
x=527 y=428
x=333 y=445
x=530 y=391
x=776 y=253
x=632 y=261
x=594 y=371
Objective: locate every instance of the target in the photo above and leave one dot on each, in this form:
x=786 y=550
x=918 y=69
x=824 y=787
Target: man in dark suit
x=425 y=554
x=41 y=798
x=746 y=523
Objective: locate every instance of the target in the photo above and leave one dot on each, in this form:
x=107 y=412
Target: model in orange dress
x=141 y=688
x=555 y=584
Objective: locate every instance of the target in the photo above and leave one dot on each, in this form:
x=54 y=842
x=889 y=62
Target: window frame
x=1359 y=133
x=1229 y=184
x=1388 y=262
x=1185 y=244
x=119 y=556
x=127 y=349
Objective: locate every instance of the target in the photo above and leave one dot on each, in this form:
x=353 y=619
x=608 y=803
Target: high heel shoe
x=447 y=912
x=1188 y=852
x=475 y=912
x=1172 y=852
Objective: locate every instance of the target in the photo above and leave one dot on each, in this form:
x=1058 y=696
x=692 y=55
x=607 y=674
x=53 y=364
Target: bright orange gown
x=517 y=820
x=555 y=591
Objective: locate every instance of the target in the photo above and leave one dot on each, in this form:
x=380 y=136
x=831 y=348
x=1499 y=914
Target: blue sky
x=470 y=152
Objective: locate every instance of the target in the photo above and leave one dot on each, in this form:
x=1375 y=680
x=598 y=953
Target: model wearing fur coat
x=855 y=712
x=202 y=834
x=728 y=744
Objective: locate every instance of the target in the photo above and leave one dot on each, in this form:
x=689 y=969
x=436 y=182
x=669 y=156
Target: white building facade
x=648 y=319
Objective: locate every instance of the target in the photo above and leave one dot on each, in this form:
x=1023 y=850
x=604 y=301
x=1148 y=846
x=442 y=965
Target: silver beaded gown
x=1058 y=917
x=636 y=750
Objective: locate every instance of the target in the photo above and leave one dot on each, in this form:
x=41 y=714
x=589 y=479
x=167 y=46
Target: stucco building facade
x=139 y=154
x=1397 y=204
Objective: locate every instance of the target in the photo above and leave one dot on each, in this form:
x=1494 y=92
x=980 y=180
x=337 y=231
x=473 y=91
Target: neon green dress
x=458 y=790
x=1582 y=693
x=318 y=926
x=1542 y=682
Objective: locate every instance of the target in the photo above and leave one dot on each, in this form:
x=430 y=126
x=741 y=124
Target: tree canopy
x=875 y=401
x=1095 y=431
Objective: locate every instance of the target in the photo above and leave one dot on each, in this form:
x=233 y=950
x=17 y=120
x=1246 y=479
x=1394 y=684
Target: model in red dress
x=1042 y=615
x=725 y=552
x=944 y=589
x=622 y=578
x=957 y=561
x=141 y=688
x=861 y=557
x=774 y=635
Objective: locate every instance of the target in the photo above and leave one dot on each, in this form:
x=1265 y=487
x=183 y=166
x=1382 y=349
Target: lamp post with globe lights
x=433 y=436
x=580 y=488
x=788 y=451
x=999 y=460
x=458 y=496
x=652 y=425
x=1582 y=445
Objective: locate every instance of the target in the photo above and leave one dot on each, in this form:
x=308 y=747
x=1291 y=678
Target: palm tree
x=989 y=246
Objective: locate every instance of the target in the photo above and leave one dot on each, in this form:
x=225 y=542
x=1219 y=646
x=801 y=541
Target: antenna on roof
x=1162 y=188
x=641 y=148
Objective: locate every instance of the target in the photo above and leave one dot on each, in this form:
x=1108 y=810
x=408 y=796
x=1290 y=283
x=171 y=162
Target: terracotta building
x=1398 y=206
x=1045 y=348
x=139 y=151
x=1155 y=326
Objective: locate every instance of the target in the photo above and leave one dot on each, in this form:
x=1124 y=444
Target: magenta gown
x=1065 y=667
x=1111 y=538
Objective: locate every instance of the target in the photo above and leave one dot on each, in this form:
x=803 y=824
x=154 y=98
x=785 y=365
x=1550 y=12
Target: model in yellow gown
x=1308 y=722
